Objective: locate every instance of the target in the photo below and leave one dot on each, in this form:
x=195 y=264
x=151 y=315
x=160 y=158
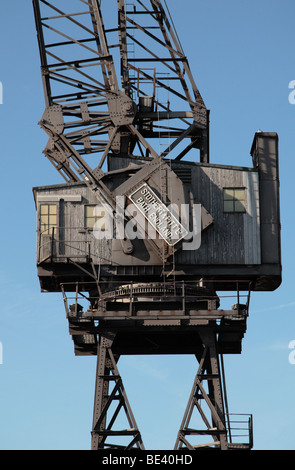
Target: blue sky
x=241 y=55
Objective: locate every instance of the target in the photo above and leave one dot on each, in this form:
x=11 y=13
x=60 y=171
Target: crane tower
x=145 y=238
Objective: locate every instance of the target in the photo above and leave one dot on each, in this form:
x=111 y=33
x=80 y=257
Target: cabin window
x=93 y=214
x=234 y=200
x=48 y=219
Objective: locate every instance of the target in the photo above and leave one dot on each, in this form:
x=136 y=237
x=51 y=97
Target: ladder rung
x=137 y=12
x=110 y=377
x=125 y=432
x=210 y=431
x=208 y=444
x=208 y=376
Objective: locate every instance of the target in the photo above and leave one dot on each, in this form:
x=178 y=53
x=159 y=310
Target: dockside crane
x=128 y=128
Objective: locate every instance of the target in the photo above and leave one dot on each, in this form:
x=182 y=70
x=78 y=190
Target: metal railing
x=240 y=430
x=185 y=295
x=65 y=242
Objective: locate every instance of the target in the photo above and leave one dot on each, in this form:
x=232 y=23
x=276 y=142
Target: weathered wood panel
x=233 y=238
x=72 y=239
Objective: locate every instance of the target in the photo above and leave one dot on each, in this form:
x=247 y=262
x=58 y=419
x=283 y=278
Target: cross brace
x=209 y=371
x=208 y=388
x=107 y=373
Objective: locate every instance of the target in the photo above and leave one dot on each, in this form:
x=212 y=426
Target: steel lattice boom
x=88 y=112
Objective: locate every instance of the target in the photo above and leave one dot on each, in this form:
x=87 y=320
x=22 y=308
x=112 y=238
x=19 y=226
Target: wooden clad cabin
x=241 y=242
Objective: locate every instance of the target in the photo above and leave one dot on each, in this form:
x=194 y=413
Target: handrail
x=199 y=282
x=163 y=288
x=188 y=293
x=63 y=242
x=240 y=426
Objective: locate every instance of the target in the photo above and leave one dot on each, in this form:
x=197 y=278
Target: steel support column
x=107 y=372
x=214 y=420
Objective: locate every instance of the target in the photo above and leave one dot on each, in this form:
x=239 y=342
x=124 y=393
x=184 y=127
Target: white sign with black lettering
x=158 y=215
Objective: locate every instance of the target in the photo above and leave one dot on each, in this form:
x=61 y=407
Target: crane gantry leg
x=107 y=372
x=215 y=426
x=207 y=399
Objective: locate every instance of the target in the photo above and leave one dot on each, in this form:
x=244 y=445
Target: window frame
x=51 y=227
x=234 y=200
x=94 y=217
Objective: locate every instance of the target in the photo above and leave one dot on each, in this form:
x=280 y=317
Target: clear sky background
x=242 y=57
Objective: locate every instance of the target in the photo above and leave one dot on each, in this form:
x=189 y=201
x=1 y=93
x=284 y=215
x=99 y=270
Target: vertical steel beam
x=102 y=428
x=42 y=51
x=215 y=385
x=123 y=47
x=110 y=77
x=101 y=391
x=215 y=424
